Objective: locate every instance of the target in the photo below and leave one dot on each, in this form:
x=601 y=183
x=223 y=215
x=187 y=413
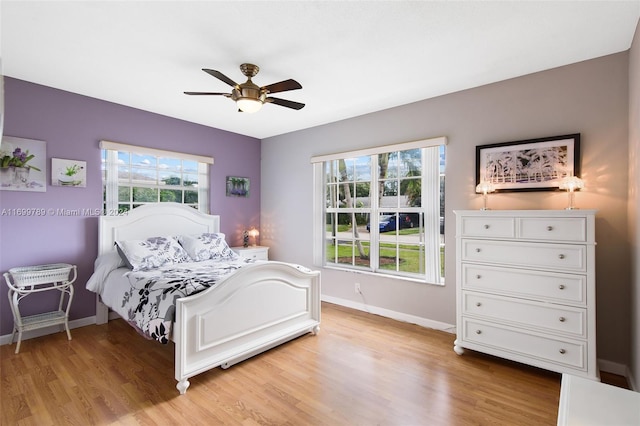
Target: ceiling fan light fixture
x=249 y=105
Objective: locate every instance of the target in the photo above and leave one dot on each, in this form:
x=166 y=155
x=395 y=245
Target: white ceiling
x=351 y=58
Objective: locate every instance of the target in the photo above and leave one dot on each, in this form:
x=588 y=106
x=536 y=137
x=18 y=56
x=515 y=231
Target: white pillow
x=207 y=246
x=102 y=267
x=152 y=252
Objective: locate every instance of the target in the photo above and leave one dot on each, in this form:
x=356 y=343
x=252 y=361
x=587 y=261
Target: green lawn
x=409 y=256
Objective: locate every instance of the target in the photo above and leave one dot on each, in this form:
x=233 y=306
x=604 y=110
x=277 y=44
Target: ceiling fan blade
x=207 y=93
x=282 y=86
x=285 y=103
x=220 y=76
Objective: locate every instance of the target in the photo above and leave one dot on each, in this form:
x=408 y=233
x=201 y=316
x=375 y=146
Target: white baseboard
x=618 y=369
x=400 y=316
x=31 y=334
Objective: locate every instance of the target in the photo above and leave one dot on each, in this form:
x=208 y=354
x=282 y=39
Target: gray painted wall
x=589 y=97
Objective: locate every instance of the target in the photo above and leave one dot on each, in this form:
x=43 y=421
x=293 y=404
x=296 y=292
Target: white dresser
x=525 y=285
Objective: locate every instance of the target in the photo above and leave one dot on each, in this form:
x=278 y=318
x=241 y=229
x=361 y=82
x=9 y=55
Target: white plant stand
x=24 y=281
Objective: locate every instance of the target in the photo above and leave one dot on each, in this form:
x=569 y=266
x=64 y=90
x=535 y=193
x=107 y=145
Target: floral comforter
x=150 y=302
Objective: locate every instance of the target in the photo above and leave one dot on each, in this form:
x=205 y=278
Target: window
x=381 y=210
x=132 y=176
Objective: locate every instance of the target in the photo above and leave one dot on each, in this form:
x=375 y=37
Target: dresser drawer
x=558 y=351
x=253 y=252
x=532 y=255
x=553 y=228
x=542 y=316
x=493 y=227
x=542 y=285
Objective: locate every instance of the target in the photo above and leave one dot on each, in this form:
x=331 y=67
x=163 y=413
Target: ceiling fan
x=250 y=97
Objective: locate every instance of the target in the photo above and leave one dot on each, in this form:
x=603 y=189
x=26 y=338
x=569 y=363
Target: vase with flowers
x=14 y=168
x=69 y=175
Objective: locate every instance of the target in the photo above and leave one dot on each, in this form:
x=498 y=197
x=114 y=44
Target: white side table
x=27 y=280
x=253 y=252
x=588 y=402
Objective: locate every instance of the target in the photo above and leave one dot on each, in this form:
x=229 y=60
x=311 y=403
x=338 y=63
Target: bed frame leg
x=182 y=386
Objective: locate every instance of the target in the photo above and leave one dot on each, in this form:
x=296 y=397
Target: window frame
x=430 y=263
x=111 y=182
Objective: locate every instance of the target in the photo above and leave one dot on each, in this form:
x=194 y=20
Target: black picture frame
x=529 y=165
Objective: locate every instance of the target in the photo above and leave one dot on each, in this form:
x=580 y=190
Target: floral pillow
x=207 y=246
x=152 y=252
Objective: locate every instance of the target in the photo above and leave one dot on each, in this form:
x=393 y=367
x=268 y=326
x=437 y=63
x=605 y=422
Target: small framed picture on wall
x=237 y=186
x=68 y=173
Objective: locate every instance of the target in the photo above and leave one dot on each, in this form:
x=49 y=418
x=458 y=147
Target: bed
x=261 y=305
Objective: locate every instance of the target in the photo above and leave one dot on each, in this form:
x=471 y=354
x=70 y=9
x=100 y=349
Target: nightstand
x=253 y=252
x=24 y=281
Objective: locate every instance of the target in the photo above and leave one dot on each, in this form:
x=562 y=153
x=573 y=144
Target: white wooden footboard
x=257 y=308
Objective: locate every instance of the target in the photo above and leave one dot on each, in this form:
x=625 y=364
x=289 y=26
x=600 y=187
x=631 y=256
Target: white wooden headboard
x=152 y=220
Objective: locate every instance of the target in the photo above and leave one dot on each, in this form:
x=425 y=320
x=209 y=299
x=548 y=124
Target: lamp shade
x=571 y=183
x=485 y=187
x=249 y=105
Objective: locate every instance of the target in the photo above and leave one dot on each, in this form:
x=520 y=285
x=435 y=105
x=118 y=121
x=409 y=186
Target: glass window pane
x=190 y=179
x=169 y=164
x=411 y=258
x=146 y=176
x=123 y=174
x=410 y=192
x=362 y=170
x=347 y=169
x=362 y=250
x=145 y=195
x=387 y=165
x=410 y=162
x=189 y=166
x=144 y=160
x=330 y=251
x=124 y=193
x=345 y=253
x=347 y=191
x=362 y=198
x=332 y=196
x=190 y=197
x=387 y=256
x=171 y=195
x=169 y=178
x=123 y=158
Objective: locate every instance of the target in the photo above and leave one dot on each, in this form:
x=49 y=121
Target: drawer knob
x=477 y=250
x=478 y=304
x=562 y=351
x=562 y=319
x=478 y=331
x=561 y=256
x=486 y=227
x=561 y=286
x=478 y=277
x=549 y=228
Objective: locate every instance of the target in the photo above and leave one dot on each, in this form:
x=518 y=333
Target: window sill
x=377 y=274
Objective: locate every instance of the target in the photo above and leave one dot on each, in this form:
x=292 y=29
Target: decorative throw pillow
x=152 y=252
x=207 y=246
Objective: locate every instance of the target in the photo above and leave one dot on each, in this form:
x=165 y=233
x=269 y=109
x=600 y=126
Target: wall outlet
x=357 y=288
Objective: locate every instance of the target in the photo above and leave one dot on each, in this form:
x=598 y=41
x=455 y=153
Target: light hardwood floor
x=361 y=369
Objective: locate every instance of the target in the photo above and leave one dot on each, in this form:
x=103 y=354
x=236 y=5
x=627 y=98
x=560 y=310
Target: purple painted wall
x=72 y=126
